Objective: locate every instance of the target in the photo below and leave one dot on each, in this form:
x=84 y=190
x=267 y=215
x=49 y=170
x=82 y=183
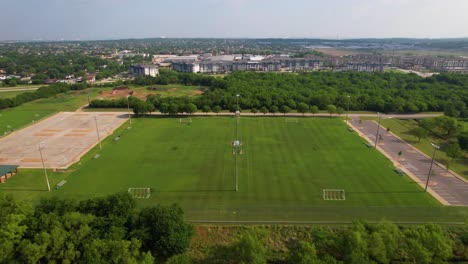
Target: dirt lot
x=63 y=138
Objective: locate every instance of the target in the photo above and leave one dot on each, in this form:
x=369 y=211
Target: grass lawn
x=282 y=171
x=402 y=128
x=15 y=118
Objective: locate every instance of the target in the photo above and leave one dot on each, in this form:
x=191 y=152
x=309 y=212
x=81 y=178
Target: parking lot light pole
x=128 y=109
x=97 y=132
x=436 y=147
x=378 y=128
x=347 y=111
x=43 y=166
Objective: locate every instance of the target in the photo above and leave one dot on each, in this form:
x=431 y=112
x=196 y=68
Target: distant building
x=146 y=70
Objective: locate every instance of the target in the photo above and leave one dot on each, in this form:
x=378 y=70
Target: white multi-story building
x=146 y=70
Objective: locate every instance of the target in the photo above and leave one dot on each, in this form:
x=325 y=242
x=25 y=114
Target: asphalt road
x=451 y=188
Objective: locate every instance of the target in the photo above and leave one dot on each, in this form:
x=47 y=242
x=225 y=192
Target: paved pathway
x=444 y=184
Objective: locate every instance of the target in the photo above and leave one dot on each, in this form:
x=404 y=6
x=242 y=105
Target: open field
x=402 y=129
x=64 y=138
x=282 y=171
x=15 y=118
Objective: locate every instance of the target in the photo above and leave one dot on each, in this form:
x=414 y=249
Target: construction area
x=58 y=141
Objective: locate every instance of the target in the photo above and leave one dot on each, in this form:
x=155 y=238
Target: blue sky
x=112 y=19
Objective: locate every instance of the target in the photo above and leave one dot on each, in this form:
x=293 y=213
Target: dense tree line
x=98 y=230
x=273 y=92
x=360 y=243
x=111 y=230
x=57 y=65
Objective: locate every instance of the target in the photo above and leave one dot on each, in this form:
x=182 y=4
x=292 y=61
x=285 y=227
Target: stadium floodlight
x=436 y=147
x=39 y=146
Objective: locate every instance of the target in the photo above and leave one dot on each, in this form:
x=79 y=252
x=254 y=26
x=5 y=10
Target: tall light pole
x=237 y=139
x=43 y=166
x=128 y=109
x=349 y=97
x=97 y=132
x=436 y=147
x=378 y=129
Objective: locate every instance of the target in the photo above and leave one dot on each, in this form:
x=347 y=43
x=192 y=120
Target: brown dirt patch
x=3 y=159
x=75 y=135
x=445 y=174
x=172 y=90
x=32 y=160
x=44 y=134
x=81 y=130
x=197 y=92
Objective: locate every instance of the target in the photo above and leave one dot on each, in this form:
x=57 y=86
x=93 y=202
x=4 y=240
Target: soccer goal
x=185 y=120
x=140 y=193
x=334 y=195
x=291 y=120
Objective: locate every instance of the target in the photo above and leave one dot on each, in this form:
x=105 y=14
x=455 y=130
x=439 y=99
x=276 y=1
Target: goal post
x=187 y=120
x=140 y=193
x=291 y=120
x=334 y=195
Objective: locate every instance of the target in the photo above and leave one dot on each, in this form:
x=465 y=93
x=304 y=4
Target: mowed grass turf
x=282 y=171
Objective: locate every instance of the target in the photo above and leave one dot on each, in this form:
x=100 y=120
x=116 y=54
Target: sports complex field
x=282 y=171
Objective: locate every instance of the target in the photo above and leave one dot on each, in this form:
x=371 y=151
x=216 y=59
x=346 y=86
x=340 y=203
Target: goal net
x=185 y=120
x=291 y=120
x=334 y=195
x=140 y=193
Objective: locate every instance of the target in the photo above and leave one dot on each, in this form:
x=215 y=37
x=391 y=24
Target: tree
x=217 y=109
x=314 y=109
x=340 y=110
x=164 y=108
x=191 y=108
x=274 y=109
x=331 y=109
x=303 y=253
x=463 y=140
x=206 y=109
x=419 y=133
x=285 y=109
x=12 y=227
x=173 y=108
x=302 y=108
x=254 y=110
x=264 y=110
x=453 y=151
x=141 y=107
x=249 y=249
x=163 y=230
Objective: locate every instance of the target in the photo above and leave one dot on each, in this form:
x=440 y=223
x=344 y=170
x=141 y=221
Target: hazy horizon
x=54 y=20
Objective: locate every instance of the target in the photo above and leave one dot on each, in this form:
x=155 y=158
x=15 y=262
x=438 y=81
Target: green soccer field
x=282 y=171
